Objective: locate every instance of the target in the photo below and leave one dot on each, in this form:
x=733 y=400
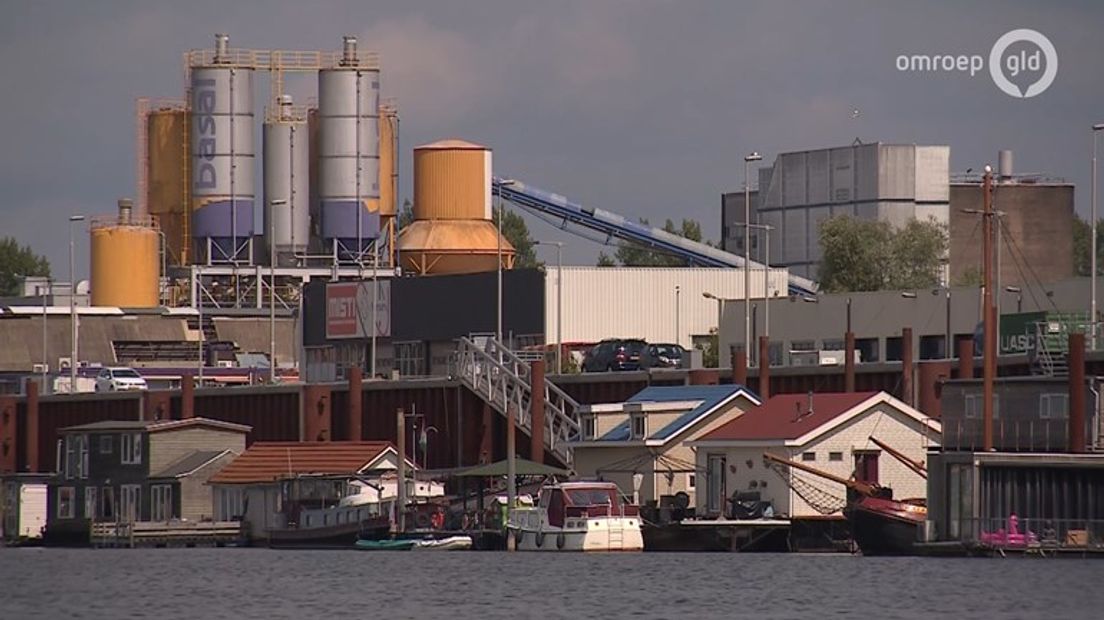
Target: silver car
x=119 y=380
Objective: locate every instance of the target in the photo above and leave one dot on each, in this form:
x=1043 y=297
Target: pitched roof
x=707 y=397
x=156 y=426
x=789 y=416
x=189 y=463
x=267 y=461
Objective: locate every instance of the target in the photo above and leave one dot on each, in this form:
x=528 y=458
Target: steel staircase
x=1052 y=343
x=502 y=379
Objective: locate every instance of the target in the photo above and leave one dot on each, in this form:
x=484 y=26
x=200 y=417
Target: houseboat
x=578 y=516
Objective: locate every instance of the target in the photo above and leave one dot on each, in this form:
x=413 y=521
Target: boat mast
x=855 y=485
x=917 y=467
x=989 y=320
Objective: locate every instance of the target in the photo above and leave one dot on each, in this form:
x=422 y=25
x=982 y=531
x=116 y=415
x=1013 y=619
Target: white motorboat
x=452 y=543
x=578 y=516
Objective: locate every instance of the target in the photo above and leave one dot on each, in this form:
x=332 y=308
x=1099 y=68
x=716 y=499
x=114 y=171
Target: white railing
x=503 y=380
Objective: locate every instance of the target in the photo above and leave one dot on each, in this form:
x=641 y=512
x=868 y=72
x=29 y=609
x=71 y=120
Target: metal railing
x=503 y=379
x=1000 y=533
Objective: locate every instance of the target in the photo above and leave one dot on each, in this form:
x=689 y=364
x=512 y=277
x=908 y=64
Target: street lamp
x=678 y=341
x=766 y=275
x=272 y=285
x=1019 y=296
x=74 y=350
x=720 y=315
x=559 y=302
x=498 y=307
x=750 y=157
x=1092 y=256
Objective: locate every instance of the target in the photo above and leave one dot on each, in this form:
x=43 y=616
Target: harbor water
x=172 y=584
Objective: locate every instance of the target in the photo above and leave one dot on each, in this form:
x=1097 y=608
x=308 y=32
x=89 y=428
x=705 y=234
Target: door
x=715 y=473
x=161 y=502
x=866 y=466
x=130 y=508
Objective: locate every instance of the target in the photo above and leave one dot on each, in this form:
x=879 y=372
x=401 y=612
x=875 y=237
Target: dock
x=146 y=534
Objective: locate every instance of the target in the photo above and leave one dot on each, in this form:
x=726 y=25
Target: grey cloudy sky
x=644 y=108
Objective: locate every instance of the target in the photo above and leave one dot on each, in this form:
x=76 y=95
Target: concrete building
x=647 y=435
x=888 y=182
x=830 y=432
x=732 y=223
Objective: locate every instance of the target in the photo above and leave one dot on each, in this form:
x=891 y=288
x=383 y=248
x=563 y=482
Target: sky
x=644 y=108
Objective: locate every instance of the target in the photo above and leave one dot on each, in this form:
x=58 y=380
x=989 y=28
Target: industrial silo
x=168 y=192
x=222 y=154
x=388 y=169
x=348 y=153
x=286 y=181
x=125 y=260
x=452 y=230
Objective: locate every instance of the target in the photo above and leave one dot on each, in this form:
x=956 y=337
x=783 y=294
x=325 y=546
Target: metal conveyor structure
x=618 y=227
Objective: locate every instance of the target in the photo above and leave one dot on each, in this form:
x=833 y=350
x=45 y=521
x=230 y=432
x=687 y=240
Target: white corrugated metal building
x=656 y=304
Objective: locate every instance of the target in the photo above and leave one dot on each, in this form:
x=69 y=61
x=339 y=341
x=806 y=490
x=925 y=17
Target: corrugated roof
x=708 y=397
x=189 y=463
x=274 y=460
x=156 y=426
x=789 y=416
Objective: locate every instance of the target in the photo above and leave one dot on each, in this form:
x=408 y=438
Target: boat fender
x=540 y=539
x=422 y=521
x=561 y=540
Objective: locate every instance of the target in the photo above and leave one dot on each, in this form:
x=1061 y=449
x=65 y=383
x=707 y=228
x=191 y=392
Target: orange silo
x=452 y=230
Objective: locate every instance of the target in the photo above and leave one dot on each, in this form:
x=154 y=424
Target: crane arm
x=860 y=487
x=917 y=467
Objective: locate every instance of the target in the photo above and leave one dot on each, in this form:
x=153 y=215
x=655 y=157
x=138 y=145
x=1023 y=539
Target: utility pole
x=511 y=475
x=747 y=247
x=74 y=331
x=1092 y=257
x=272 y=285
x=400 y=442
x=989 y=320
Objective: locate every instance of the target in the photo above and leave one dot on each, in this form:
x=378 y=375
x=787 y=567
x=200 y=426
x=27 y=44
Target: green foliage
x=970 y=277
x=517 y=233
x=869 y=255
x=1082 y=247
x=711 y=355
x=16 y=262
x=406 y=214
x=635 y=255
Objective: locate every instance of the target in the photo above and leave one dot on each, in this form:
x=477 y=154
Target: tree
x=870 y=255
x=406 y=214
x=636 y=255
x=16 y=262
x=1082 y=246
x=517 y=233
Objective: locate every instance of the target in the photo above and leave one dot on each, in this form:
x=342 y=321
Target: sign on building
x=349 y=312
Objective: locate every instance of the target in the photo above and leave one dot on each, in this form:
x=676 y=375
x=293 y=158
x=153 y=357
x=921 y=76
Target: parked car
x=119 y=380
x=616 y=354
x=665 y=356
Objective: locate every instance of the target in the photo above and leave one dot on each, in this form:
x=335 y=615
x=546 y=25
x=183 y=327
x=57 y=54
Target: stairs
x=1052 y=343
x=502 y=379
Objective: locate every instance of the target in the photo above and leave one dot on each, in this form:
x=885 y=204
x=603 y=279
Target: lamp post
x=750 y=157
x=74 y=334
x=766 y=275
x=677 y=304
x=559 y=302
x=1019 y=296
x=272 y=285
x=1092 y=256
x=720 y=316
x=45 y=357
x=498 y=306
x=199 y=324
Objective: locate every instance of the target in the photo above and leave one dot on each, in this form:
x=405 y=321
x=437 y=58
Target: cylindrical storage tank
x=452 y=181
x=389 y=156
x=1004 y=166
x=348 y=154
x=222 y=158
x=125 y=260
x=286 y=181
x=168 y=192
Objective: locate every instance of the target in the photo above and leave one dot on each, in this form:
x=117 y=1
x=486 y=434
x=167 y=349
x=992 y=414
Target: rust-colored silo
x=125 y=260
x=169 y=192
x=452 y=230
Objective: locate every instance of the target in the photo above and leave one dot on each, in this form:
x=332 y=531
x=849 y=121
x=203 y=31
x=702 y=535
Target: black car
x=665 y=356
x=618 y=354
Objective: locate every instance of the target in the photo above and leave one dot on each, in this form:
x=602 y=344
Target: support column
x=187 y=397
x=930 y=374
x=739 y=366
x=315 y=412
x=703 y=376
x=1077 y=393
x=9 y=434
x=849 y=362
x=966 y=358
x=156 y=405
x=906 y=367
x=33 y=462
x=355 y=430
x=536 y=411
x=764 y=368
x=486 y=439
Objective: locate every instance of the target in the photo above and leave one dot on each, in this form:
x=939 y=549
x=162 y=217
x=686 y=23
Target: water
x=168 y=584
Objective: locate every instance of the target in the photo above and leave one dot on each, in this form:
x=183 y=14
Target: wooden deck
x=166 y=534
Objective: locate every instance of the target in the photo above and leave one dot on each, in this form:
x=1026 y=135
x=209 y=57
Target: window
x=590 y=426
x=691 y=481
x=90 y=505
x=229 y=504
x=835 y=456
x=410 y=358
x=715 y=481
x=66 y=497
x=131 y=505
x=161 y=502
x=1053 y=406
x=132 y=448
x=808 y=456
x=834 y=344
x=76 y=456
x=974 y=406
x=893 y=349
x=106 y=444
x=637 y=426
x=932 y=347
x=107 y=504
x=867 y=348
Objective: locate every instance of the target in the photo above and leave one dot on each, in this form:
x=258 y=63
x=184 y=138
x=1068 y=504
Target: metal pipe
x=989 y=367
x=1076 y=431
x=678 y=333
x=375 y=303
x=74 y=330
x=400 y=483
x=272 y=286
x=498 y=305
x=199 y=324
x=559 y=308
x=1092 y=256
x=511 y=474
x=45 y=357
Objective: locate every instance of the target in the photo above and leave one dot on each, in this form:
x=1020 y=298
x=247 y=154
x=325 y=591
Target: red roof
x=788 y=416
x=266 y=461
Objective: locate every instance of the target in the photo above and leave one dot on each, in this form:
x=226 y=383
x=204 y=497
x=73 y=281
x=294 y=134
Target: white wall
x=603 y=303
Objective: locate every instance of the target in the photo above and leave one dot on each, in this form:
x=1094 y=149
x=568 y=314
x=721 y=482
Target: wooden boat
x=578 y=516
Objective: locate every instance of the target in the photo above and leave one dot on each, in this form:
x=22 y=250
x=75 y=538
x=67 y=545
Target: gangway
x=619 y=227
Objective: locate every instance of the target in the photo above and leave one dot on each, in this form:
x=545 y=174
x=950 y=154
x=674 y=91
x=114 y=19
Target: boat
x=578 y=516
x=390 y=544
x=450 y=543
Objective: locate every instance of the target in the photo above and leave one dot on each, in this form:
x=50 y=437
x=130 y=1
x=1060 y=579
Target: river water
x=171 y=584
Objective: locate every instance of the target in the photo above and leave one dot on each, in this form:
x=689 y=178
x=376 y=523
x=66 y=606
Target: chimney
x=849 y=362
x=809 y=407
x=355 y=431
x=349 y=51
x=126 y=210
x=222 y=48
x=966 y=358
x=1076 y=393
x=739 y=366
x=286 y=103
x=764 y=368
